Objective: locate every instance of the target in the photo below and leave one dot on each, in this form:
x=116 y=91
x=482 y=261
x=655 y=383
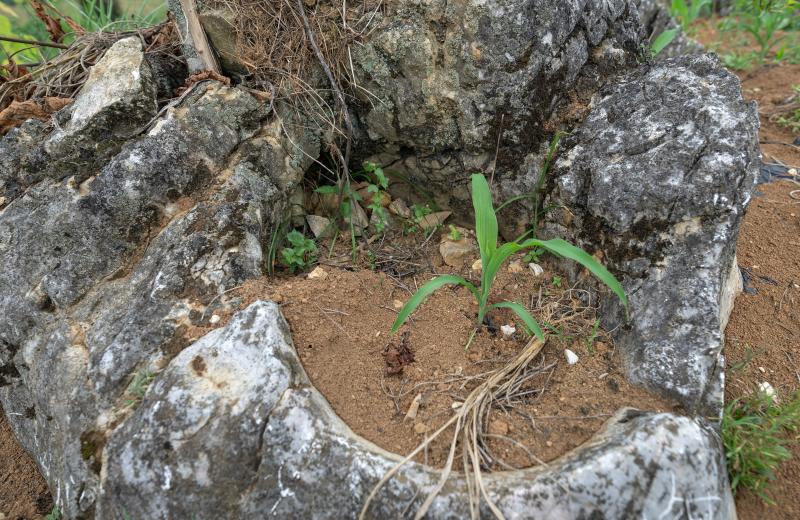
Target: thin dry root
x=469 y=428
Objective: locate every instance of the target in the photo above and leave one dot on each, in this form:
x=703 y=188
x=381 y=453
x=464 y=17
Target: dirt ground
x=23 y=491
x=340 y=325
x=763 y=337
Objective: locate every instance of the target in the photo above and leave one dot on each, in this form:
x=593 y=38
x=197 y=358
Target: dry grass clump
x=272 y=43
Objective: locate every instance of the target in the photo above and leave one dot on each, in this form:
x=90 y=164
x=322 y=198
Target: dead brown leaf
x=18 y=112
x=398 y=356
x=52 y=25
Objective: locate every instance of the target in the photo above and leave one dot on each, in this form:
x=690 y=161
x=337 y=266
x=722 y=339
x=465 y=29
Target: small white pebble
x=603 y=375
x=508 y=330
x=319 y=273
x=214 y=319
x=767 y=389
x=536 y=269
x=477 y=265
x=762 y=370
x=572 y=357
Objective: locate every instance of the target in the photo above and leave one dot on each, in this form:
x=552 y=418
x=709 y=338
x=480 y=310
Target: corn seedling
x=662 y=41
x=756 y=432
x=686 y=12
x=493 y=257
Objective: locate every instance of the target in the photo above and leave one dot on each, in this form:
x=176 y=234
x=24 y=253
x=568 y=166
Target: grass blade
x=425 y=291
x=485 y=219
x=663 y=40
x=530 y=323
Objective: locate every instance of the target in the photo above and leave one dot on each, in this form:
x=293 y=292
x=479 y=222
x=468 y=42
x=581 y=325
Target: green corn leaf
x=567 y=250
x=426 y=290
x=496 y=261
x=663 y=40
x=530 y=324
x=485 y=218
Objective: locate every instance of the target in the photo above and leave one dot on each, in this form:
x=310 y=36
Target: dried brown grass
x=271 y=41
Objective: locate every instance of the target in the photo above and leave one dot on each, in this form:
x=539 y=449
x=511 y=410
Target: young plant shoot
x=493 y=257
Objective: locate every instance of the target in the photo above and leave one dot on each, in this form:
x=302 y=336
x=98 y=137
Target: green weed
x=301 y=255
x=378 y=190
x=55 y=514
x=493 y=257
x=765 y=21
x=791 y=120
x=454 y=234
x=138 y=386
x=662 y=41
x=756 y=432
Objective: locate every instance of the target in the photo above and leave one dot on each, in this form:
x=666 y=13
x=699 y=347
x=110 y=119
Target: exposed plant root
x=469 y=424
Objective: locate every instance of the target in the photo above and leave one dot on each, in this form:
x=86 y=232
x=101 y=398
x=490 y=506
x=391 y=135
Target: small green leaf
x=382 y=180
x=663 y=40
x=530 y=324
x=426 y=290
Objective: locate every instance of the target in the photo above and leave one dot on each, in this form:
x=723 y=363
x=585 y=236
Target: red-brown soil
x=23 y=491
x=340 y=325
x=763 y=337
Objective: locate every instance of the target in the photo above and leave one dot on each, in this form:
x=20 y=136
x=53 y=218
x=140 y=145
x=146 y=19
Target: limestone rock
x=103 y=279
x=658 y=177
x=321 y=227
x=118 y=98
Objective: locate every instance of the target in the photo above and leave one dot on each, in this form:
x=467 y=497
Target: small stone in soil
x=536 y=269
x=318 y=273
x=413 y=409
x=214 y=319
x=397 y=304
x=498 y=427
x=516 y=267
x=572 y=357
x=420 y=428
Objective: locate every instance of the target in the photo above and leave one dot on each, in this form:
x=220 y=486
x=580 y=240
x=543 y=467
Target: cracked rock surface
x=658 y=178
x=105 y=273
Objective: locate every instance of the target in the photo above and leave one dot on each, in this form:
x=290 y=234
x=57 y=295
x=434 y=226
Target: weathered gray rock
x=105 y=274
x=117 y=99
x=442 y=84
x=232 y=428
x=658 y=178
x=456 y=80
x=113 y=260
